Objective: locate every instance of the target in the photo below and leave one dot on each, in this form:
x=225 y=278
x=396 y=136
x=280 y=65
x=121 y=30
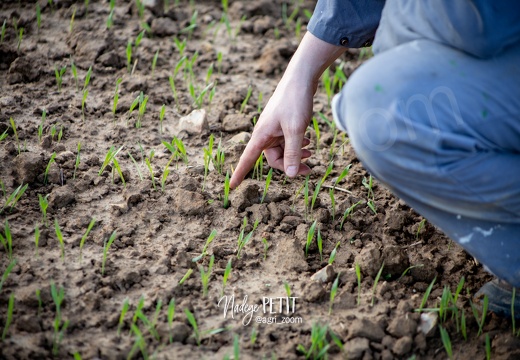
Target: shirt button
x=344 y=41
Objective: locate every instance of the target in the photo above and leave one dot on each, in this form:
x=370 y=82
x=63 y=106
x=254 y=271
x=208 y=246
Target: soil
x=158 y=233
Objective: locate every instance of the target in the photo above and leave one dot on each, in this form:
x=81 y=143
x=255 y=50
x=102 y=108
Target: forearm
x=309 y=61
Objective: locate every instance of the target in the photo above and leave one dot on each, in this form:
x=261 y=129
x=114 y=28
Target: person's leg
x=442 y=130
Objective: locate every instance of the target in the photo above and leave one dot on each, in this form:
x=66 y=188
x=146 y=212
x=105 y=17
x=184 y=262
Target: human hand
x=280 y=131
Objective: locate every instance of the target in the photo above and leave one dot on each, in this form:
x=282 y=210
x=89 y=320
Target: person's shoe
x=500 y=298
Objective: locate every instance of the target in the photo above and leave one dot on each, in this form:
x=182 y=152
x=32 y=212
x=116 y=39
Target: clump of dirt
x=163 y=209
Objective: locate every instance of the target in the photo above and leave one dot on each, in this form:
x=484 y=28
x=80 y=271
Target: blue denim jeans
x=441 y=129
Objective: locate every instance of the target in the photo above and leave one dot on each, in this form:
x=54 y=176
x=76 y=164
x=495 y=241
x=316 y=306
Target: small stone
x=428 y=323
x=61 y=197
x=356 y=347
x=194 y=123
x=164 y=26
x=240 y=138
x=236 y=122
x=366 y=329
x=324 y=275
x=402 y=346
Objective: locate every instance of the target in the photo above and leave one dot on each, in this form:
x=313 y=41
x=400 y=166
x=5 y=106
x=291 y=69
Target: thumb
x=292 y=154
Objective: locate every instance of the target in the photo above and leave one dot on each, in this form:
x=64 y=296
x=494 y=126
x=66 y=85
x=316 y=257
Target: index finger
x=251 y=153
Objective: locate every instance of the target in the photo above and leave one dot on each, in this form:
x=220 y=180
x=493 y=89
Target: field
x=119 y=123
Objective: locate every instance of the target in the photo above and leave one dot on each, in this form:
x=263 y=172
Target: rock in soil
x=194 y=123
x=324 y=275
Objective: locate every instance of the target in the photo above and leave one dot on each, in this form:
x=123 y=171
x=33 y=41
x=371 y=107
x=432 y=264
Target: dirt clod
x=28 y=166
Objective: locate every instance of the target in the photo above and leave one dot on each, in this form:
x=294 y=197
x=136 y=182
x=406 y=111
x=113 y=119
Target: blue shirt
x=482 y=28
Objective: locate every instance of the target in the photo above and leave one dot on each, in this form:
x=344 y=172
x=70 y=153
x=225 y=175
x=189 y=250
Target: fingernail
x=291 y=171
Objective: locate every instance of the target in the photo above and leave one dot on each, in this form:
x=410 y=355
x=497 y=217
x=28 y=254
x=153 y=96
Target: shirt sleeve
x=348 y=23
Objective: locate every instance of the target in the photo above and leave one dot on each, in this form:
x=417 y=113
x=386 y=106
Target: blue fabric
x=355 y=21
x=482 y=28
x=441 y=128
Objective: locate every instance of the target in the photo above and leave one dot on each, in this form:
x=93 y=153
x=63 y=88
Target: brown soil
x=159 y=233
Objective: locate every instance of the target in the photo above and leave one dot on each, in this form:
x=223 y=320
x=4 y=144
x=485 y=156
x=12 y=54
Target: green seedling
x=129 y=56
x=110 y=19
x=193 y=323
x=2 y=32
x=376 y=281
x=372 y=206
x=44 y=204
x=192 y=25
x=149 y=324
x=306 y=196
x=84 y=237
x=83 y=103
x=118 y=170
x=287 y=289
x=7 y=271
x=59 y=329
x=242 y=241
x=161 y=118
x=139 y=344
x=87 y=78
x=59 y=75
x=320 y=183
x=320 y=342
x=74 y=70
x=4 y=135
x=209 y=73
x=111 y=154
x=14 y=197
x=138 y=309
x=225 y=278
x=236 y=347
x=13 y=126
x=316 y=127
x=254 y=336
x=140 y=8
x=9 y=319
x=170 y=315
x=266 y=247
x=310 y=236
x=463 y=328
x=136 y=166
x=59 y=235
x=36 y=239
x=124 y=310
x=40 y=126
x=116 y=97
x=333 y=292
x=246 y=99
x=482 y=319
x=150 y=170
x=205 y=275
x=426 y=295
x=348 y=212
x=332 y=256
x=210 y=239
x=319 y=241
x=446 y=341
x=266 y=186
x=20 y=37
x=7 y=240
x=71 y=24
x=154 y=61
x=106 y=246
x=358 y=277
x=177 y=149
x=165 y=174
x=186 y=276
x=368 y=185
x=143 y=100
x=219 y=159
x=226 y=191
x=180 y=45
